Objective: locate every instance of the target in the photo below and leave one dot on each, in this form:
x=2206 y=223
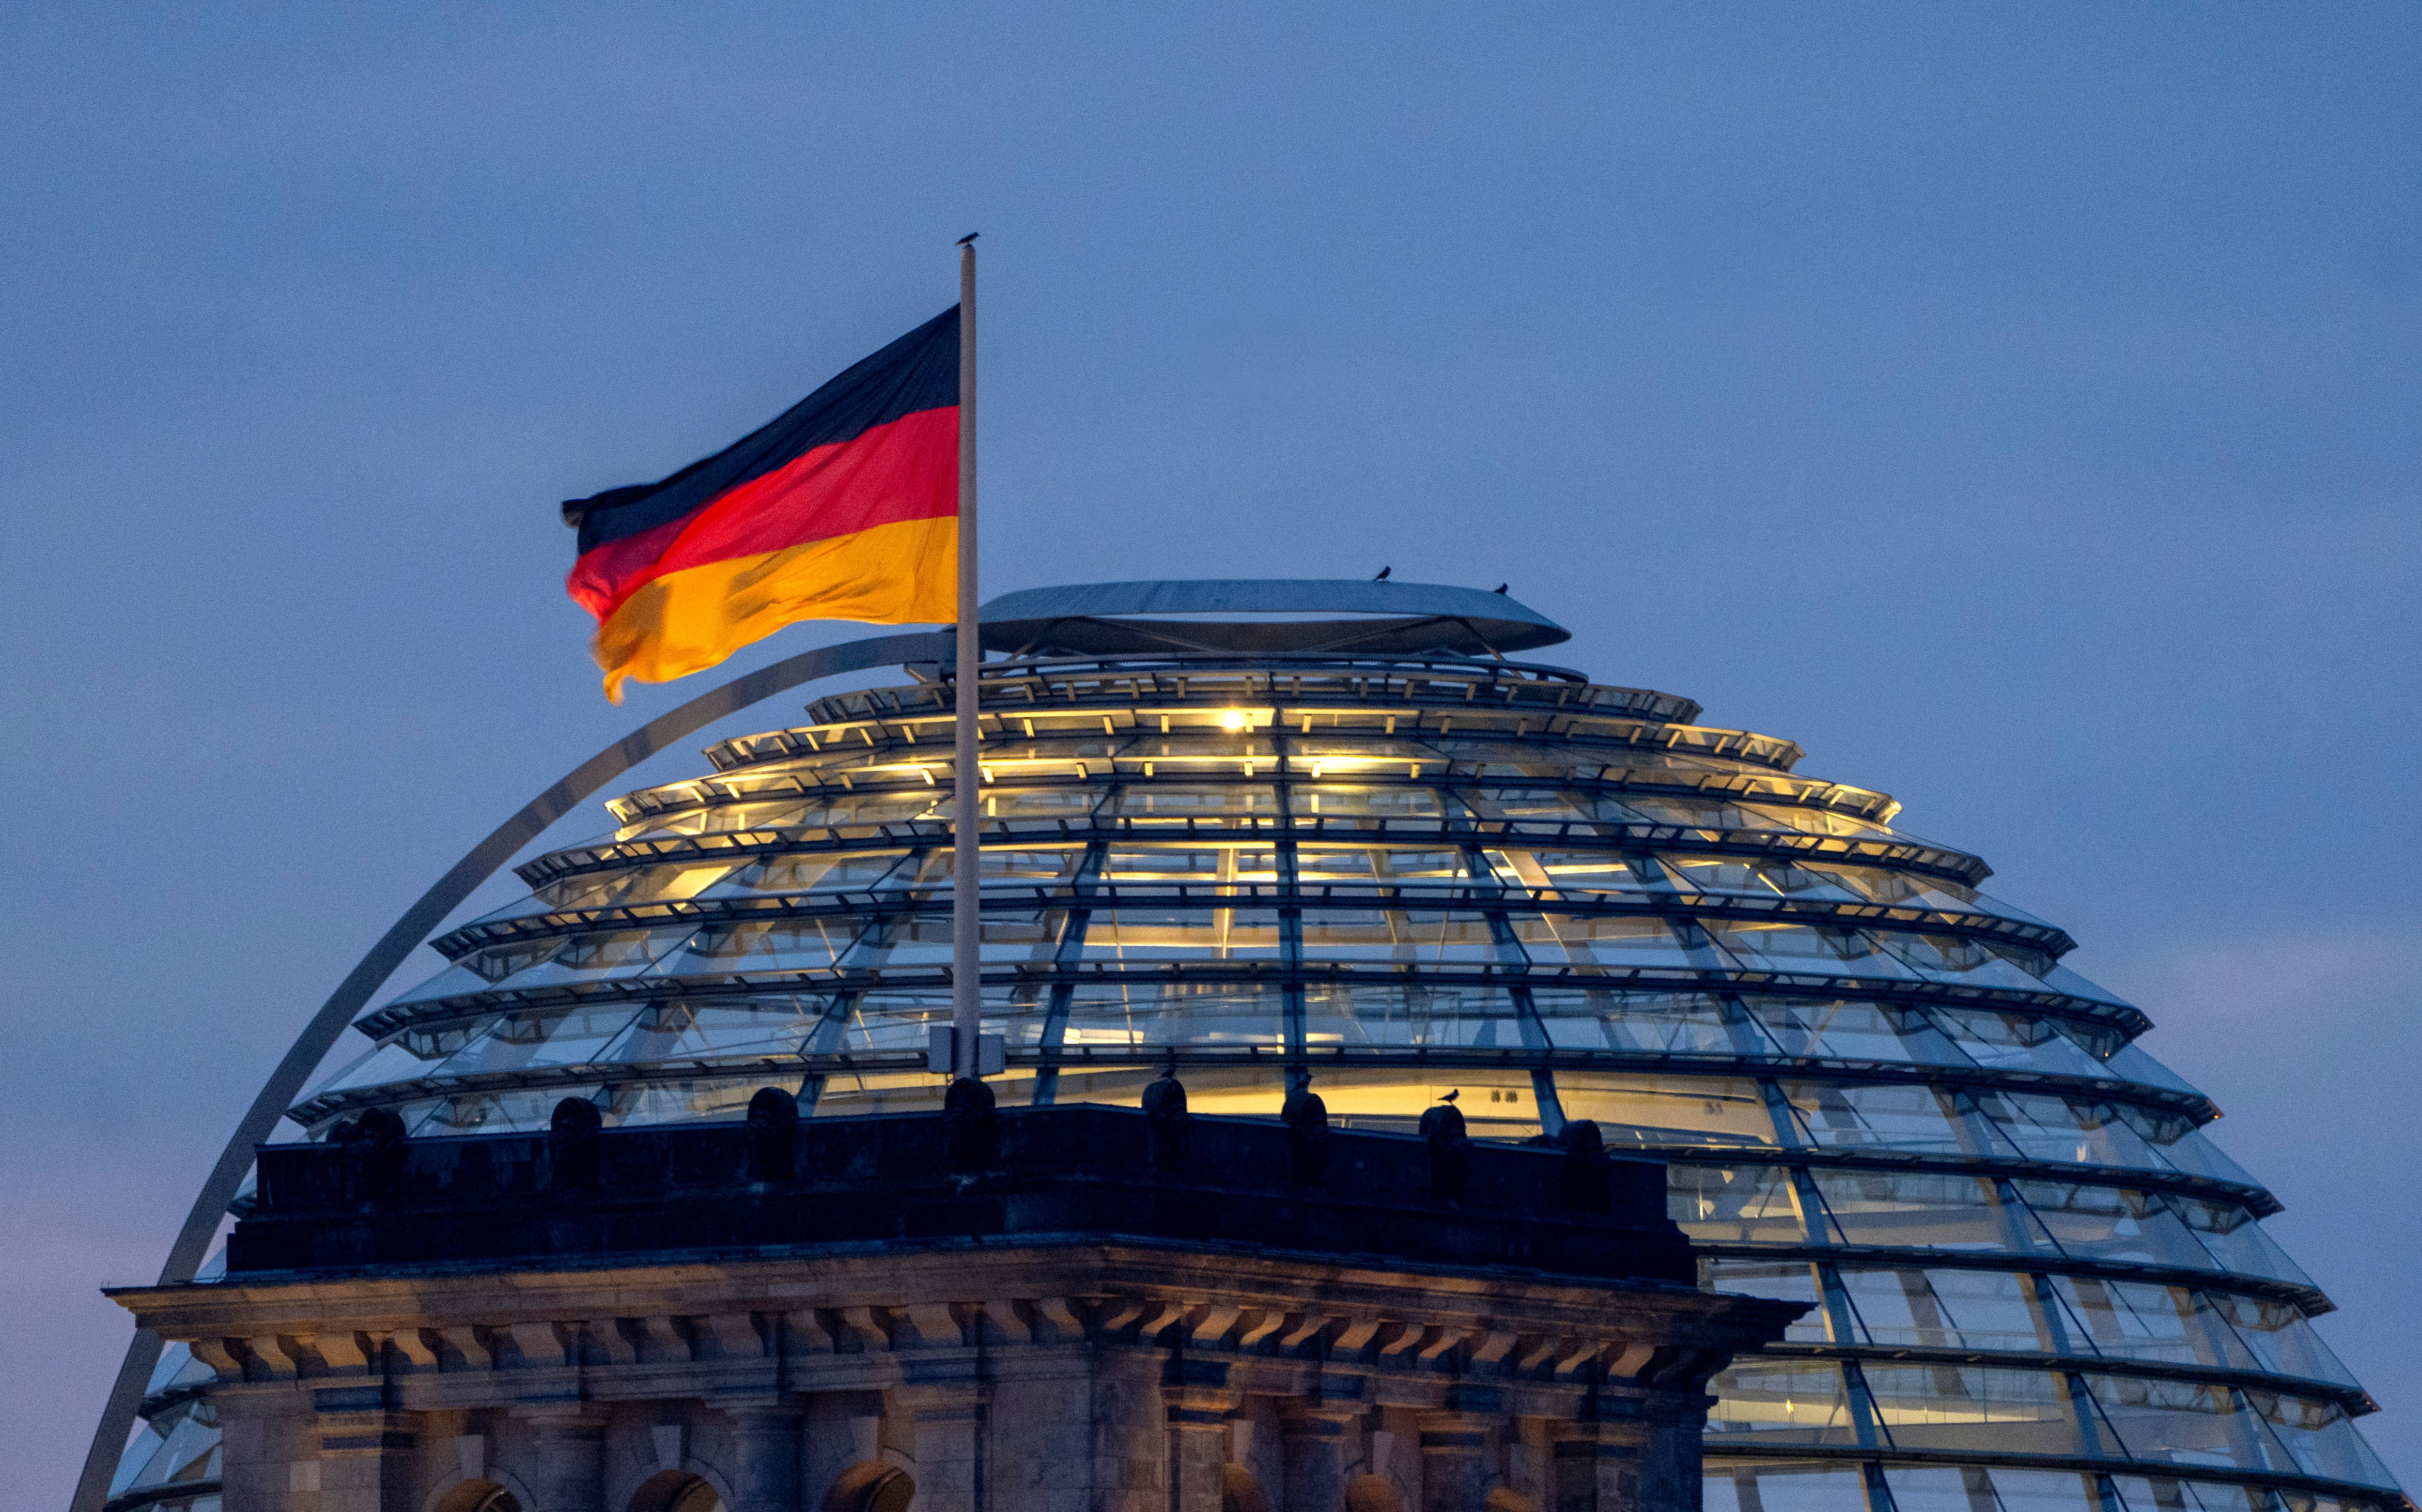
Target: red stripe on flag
x=906 y=469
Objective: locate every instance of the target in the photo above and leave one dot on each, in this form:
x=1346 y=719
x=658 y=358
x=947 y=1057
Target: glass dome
x=2037 y=1284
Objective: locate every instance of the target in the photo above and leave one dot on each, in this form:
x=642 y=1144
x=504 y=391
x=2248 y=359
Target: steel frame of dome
x=1371 y=855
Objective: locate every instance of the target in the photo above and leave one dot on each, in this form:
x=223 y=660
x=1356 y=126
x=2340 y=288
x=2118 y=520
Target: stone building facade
x=1072 y=1309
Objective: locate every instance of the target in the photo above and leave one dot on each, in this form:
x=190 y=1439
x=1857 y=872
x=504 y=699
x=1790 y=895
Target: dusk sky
x=2016 y=405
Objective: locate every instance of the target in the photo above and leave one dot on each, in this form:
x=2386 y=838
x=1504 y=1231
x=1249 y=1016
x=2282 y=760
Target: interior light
x=1232 y=719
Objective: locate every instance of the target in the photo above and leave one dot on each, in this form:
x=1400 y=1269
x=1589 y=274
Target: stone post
x=570 y=1462
x=1198 y=1446
x=1597 y=1466
x=764 y=1457
x=1315 y=1439
x=1671 y=1461
x=364 y=1461
x=949 y=1418
x=1457 y=1454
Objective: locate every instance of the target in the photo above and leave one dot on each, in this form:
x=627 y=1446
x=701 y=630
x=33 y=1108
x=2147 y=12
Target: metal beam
x=486 y=858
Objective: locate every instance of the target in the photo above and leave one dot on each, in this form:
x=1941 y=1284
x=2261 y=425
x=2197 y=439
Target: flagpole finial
x=969 y=237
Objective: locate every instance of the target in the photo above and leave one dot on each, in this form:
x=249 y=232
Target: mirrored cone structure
x=1327 y=835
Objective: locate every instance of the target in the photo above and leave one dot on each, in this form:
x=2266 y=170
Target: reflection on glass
x=1647 y=1111
x=1943 y=1308
x=1797 y=1401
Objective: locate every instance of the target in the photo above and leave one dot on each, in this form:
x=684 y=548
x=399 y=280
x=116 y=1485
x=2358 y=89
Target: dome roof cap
x=1258 y=615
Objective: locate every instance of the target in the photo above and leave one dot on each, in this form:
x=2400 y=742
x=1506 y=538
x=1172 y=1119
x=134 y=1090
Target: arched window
x=1240 y=1491
x=1369 y=1493
x=870 y=1487
x=479 y=1496
x=674 y=1491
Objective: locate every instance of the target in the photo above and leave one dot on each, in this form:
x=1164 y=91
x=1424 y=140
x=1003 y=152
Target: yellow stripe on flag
x=906 y=572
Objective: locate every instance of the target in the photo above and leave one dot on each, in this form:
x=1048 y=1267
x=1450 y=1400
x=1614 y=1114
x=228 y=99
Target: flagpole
x=966 y=963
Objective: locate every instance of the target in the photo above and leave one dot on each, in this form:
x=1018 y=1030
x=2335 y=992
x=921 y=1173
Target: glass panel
x=1190 y=865
x=1146 y=934
x=644 y=884
x=772 y=945
x=1333 y=801
x=1751 y=1204
x=1672 y=1023
x=1035 y=803
x=393 y=1060
x=454 y=981
x=2236 y=1240
x=2061 y=979
x=1602 y=941
x=2143 y=1320
x=1803 y=949
x=1807 y=820
x=1401 y=866
x=1497 y=1104
x=2184 y=1146
x=1974 y=1489
x=1430 y=936
x=1789 y=1281
x=1228 y=1091
x=689 y=1100
x=580 y=958
x=1846 y=1029
x=1029 y=936
x=1876 y=884
x=1144 y=1013
x=2113 y=1223
x=1922 y=1209
x=180 y=1445
x=2133 y=1064
x=513 y=1110
x=831 y=871
x=2015 y=1041
x=571 y=1037
x=1579 y=870
x=2192 y=1423
x=890 y=1019
x=680 y=1031
x=1951 y=958
x=177 y=1366
x=1542 y=806
x=2162 y=1495
x=1689 y=812
x=1886 y=1116
x=1795 y=1401
x=1942 y=1309
x=2279 y=1337
x=1974 y=1406
x=2319 y=1437
x=1172 y=803
x=1755 y=878
x=2069 y=1129
x=855 y=1094
x=1411 y=1015
x=1647 y=1111
x=1785 y=1486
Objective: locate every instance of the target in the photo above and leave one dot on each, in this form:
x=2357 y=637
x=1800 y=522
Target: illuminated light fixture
x=1234 y=720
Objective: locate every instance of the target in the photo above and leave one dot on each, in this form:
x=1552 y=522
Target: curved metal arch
x=486 y=858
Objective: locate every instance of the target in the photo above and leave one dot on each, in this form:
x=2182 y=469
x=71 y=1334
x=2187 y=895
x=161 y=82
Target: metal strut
x=486 y=858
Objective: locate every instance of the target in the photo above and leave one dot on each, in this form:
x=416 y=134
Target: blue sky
x=2013 y=404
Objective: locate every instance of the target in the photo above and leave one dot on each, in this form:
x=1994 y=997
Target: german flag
x=846 y=507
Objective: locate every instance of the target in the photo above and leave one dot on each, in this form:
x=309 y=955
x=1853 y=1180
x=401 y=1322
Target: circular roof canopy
x=1257 y=615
